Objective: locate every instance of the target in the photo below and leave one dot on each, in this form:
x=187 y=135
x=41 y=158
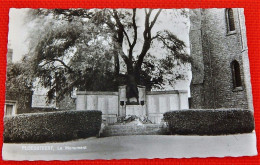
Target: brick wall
x=217 y=51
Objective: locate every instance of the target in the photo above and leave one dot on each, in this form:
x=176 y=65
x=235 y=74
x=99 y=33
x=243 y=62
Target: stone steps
x=124 y=130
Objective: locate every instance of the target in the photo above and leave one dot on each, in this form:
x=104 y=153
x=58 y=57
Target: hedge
x=209 y=122
x=41 y=110
x=52 y=126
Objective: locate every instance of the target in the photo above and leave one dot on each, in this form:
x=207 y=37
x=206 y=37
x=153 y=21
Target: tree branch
x=155 y=18
x=135 y=36
x=145 y=10
x=121 y=26
x=127 y=37
x=147 y=38
x=125 y=58
x=155 y=37
x=135 y=28
x=46 y=63
x=66 y=66
x=147 y=18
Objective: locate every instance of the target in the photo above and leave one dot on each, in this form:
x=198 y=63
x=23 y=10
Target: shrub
x=210 y=122
x=52 y=126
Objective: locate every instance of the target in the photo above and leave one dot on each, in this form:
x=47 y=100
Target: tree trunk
x=131 y=87
x=116 y=63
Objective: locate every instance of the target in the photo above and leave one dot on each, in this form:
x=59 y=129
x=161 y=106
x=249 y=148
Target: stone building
x=220 y=72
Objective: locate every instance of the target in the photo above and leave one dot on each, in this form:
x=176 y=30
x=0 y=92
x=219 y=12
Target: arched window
x=230 y=20
x=236 y=74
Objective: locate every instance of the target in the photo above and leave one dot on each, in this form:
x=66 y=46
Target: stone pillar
x=183 y=98
x=122 y=100
x=141 y=94
x=142 y=99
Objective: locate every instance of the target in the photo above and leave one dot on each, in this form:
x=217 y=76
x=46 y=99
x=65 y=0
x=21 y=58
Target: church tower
x=220 y=69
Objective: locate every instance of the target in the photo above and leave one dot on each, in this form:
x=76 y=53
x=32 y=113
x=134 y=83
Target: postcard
x=86 y=84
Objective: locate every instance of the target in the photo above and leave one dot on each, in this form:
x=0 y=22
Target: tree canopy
x=99 y=49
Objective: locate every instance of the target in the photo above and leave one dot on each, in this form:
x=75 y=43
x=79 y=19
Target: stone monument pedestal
x=132 y=106
x=137 y=110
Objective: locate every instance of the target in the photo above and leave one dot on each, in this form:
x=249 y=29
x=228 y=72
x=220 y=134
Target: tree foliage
x=89 y=48
x=19 y=85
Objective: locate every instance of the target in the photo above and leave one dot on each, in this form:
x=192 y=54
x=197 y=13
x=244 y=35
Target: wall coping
x=10 y=101
x=96 y=93
x=116 y=93
x=124 y=86
x=166 y=92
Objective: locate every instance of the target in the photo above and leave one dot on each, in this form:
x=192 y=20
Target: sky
x=18 y=33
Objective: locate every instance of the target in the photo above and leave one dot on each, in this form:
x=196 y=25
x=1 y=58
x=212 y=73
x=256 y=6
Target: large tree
x=82 y=48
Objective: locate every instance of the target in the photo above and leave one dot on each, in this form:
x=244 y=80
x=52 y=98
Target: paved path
x=133 y=147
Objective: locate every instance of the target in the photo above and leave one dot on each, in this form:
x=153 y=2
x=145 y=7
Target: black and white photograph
x=86 y=84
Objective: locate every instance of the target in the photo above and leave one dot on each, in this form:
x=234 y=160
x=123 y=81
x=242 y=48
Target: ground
x=134 y=147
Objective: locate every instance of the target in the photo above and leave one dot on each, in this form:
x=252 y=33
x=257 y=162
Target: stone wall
x=159 y=102
x=107 y=102
x=218 y=49
x=152 y=104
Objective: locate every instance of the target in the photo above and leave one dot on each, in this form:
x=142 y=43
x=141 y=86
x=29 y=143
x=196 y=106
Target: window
x=10 y=108
x=237 y=83
x=230 y=21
